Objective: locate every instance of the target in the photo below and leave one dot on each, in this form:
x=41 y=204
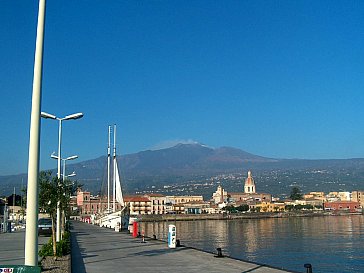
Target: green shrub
x=46 y=249
x=63 y=247
x=67 y=236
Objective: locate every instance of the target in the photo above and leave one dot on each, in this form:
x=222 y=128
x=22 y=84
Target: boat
x=111 y=217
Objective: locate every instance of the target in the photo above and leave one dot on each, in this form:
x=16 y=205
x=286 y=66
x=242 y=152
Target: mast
x=114 y=171
x=13 y=207
x=108 y=171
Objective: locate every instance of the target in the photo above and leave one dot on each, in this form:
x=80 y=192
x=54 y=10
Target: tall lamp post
x=31 y=233
x=73 y=116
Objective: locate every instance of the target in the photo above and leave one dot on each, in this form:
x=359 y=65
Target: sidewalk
x=96 y=249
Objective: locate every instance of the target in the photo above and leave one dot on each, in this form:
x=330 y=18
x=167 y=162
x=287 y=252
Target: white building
x=158 y=203
x=220 y=195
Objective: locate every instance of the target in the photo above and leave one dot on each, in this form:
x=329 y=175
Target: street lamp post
x=63 y=179
x=31 y=233
x=73 y=116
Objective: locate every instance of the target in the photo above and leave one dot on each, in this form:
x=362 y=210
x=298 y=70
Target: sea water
x=329 y=243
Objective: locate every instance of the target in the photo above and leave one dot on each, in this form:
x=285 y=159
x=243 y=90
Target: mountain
x=186 y=162
x=188 y=159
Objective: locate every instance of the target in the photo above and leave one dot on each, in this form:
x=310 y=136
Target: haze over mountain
x=180 y=163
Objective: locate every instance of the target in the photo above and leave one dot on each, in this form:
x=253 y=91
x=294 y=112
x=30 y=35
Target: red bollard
x=135 y=229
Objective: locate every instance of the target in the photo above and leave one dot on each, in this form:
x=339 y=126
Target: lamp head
x=73 y=116
x=46 y=115
x=72 y=157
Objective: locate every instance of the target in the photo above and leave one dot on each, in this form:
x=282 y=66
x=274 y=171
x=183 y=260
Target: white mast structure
x=114 y=170
x=112 y=218
x=108 y=171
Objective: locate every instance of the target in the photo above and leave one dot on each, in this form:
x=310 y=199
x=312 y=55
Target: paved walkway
x=96 y=249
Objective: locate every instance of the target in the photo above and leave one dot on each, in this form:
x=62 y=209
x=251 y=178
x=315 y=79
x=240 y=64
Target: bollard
x=219 y=253
x=308 y=268
x=154 y=237
x=178 y=243
x=143 y=238
x=172 y=236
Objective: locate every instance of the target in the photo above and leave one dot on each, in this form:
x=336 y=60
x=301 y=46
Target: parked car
x=45 y=226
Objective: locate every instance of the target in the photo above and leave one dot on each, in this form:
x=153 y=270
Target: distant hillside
x=187 y=159
x=180 y=163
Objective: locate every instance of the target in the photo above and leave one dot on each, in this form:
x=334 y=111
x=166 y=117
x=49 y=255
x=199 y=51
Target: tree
x=296 y=194
x=243 y=207
x=54 y=190
x=12 y=198
x=230 y=209
x=49 y=193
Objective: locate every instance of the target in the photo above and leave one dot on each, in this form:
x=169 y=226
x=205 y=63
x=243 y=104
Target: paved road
x=96 y=249
x=12 y=247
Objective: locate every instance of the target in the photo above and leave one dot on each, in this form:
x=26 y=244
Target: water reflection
x=330 y=244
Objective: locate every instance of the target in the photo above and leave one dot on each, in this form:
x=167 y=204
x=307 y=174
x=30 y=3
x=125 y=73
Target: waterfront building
x=213 y=209
x=332 y=196
x=196 y=207
x=177 y=209
x=235 y=197
x=249 y=196
x=317 y=195
x=249 y=186
x=89 y=204
x=85 y=201
x=345 y=206
x=358 y=196
x=318 y=203
x=344 y=196
x=338 y=196
x=73 y=206
x=158 y=205
x=174 y=199
x=220 y=196
x=138 y=204
x=176 y=204
x=269 y=207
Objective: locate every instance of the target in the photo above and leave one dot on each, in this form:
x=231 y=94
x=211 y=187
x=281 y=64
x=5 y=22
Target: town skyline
x=280 y=79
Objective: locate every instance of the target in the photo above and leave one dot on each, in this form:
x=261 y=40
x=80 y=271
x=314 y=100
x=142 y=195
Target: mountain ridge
x=181 y=162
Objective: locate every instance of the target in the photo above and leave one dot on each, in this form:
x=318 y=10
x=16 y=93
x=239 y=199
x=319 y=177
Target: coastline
x=234 y=216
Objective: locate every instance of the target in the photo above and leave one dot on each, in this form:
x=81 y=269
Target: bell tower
x=249 y=186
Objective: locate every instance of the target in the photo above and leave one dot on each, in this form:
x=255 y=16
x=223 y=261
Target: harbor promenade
x=96 y=249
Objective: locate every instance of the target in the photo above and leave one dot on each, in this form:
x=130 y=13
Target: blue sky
x=275 y=78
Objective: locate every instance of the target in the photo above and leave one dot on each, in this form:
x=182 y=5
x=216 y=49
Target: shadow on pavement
x=78 y=265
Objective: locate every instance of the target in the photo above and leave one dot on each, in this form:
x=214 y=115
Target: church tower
x=249 y=186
